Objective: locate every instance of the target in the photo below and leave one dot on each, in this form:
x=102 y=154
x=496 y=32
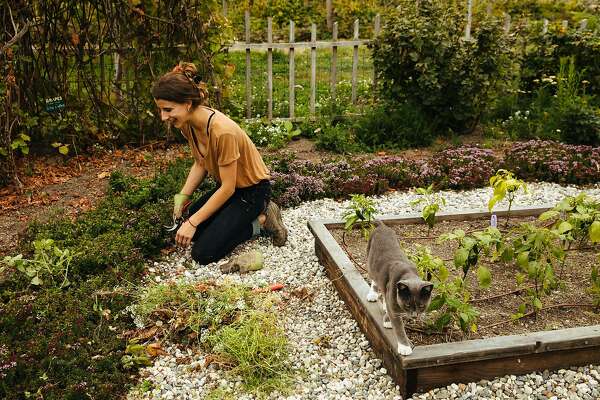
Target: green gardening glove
x=180 y=202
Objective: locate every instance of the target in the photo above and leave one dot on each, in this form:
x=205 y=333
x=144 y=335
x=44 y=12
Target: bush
x=392 y=126
x=559 y=111
x=338 y=138
x=449 y=79
x=553 y=162
x=543 y=53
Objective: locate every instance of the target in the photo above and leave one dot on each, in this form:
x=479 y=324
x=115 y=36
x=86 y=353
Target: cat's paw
x=387 y=324
x=404 y=350
x=372 y=296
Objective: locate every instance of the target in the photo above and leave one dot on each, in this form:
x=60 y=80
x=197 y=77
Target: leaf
x=548 y=215
x=36 y=281
x=484 y=277
x=523 y=259
x=443 y=320
x=154 y=349
x=460 y=257
x=64 y=150
x=564 y=227
x=437 y=302
x=537 y=304
x=595 y=232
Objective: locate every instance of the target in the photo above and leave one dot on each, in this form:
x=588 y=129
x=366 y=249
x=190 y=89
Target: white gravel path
x=347 y=368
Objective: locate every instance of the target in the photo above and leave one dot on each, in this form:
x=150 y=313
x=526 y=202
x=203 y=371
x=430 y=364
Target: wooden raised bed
x=438 y=365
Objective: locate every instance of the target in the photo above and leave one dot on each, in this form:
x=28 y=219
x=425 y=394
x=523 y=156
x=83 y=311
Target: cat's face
x=413 y=296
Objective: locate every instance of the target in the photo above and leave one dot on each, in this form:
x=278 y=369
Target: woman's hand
x=185 y=233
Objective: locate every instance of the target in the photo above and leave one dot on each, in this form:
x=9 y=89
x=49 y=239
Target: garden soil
x=501 y=300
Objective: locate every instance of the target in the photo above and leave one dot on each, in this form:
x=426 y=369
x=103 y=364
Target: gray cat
x=394 y=278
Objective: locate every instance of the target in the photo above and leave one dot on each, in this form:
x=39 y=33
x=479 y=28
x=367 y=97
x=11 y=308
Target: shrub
x=459 y=168
x=553 y=162
x=338 y=138
x=449 y=79
x=392 y=126
x=544 y=51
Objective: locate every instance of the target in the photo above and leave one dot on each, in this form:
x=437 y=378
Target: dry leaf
x=154 y=349
x=103 y=174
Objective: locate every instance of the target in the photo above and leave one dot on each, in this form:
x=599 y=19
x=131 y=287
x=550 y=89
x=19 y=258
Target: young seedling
x=433 y=202
x=452 y=297
x=505 y=185
x=361 y=211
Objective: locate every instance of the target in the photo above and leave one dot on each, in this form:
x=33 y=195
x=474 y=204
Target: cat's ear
x=426 y=290
x=403 y=288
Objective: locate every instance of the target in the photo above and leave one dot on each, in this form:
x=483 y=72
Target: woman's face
x=174 y=113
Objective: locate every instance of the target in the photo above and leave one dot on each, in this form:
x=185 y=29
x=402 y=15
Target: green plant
x=449 y=79
x=135 y=356
x=471 y=247
x=61 y=147
x=49 y=262
x=536 y=252
x=505 y=185
x=452 y=295
x=361 y=210
x=433 y=202
x=20 y=143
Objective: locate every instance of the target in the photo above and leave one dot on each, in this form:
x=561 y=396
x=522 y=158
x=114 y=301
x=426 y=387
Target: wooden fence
x=291 y=46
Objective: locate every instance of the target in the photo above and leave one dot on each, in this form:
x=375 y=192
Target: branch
x=16 y=38
x=534 y=312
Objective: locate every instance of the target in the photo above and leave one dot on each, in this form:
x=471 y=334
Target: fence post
x=334 y=61
x=545 y=26
x=248 y=69
x=506 y=22
x=469 y=19
x=225 y=8
x=583 y=25
x=270 y=69
x=329 y=14
x=313 y=68
x=354 y=62
x=565 y=24
x=489 y=7
x=376 y=32
x=292 y=72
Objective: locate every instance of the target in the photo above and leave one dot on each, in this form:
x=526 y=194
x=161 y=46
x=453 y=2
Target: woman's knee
x=204 y=256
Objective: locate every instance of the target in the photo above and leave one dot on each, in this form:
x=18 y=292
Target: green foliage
x=257 y=347
x=537 y=253
x=228 y=320
x=505 y=185
x=274 y=135
x=433 y=202
x=471 y=247
x=451 y=303
x=559 y=110
x=338 y=138
x=449 y=79
x=21 y=144
x=361 y=211
x=577 y=218
x=49 y=262
x=393 y=126
x=66 y=335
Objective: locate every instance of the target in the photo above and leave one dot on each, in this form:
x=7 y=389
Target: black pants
x=231 y=224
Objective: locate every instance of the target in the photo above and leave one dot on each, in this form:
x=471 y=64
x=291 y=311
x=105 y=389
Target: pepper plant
x=537 y=251
x=471 y=247
x=505 y=185
x=452 y=296
x=433 y=202
x=360 y=211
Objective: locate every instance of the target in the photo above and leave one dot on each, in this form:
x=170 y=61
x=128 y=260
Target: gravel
x=332 y=357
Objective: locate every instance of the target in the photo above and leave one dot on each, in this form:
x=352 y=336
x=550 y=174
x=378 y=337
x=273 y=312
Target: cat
x=395 y=280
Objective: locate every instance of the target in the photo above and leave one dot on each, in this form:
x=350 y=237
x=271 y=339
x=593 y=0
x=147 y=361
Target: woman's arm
x=228 y=175
x=194 y=179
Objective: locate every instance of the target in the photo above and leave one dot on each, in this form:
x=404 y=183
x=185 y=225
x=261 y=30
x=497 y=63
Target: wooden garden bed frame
x=439 y=365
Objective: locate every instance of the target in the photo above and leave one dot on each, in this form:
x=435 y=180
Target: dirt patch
x=72 y=186
x=502 y=296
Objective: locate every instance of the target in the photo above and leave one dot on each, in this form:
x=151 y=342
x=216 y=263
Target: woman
x=239 y=208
